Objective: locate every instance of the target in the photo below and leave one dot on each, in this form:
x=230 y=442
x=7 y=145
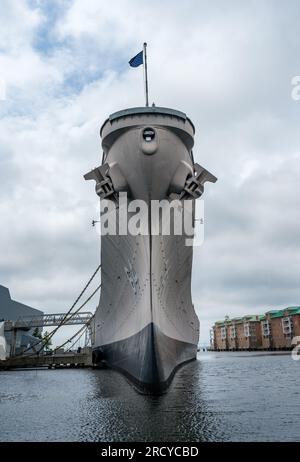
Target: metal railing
x=44 y=320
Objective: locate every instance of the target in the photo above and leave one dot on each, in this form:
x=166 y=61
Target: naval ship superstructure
x=145 y=324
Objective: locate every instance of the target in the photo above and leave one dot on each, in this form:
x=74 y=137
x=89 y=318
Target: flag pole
x=146 y=74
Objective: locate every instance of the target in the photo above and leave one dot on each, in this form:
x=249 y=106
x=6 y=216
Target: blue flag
x=137 y=60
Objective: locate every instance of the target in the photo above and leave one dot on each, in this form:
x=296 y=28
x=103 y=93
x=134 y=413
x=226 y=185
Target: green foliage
x=36 y=333
x=47 y=341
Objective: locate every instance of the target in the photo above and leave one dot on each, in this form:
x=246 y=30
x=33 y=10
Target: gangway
x=44 y=320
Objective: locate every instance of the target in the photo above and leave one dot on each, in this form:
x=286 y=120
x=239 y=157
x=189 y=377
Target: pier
x=29 y=322
x=68 y=359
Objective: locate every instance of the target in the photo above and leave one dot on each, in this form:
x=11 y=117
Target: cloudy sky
x=228 y=65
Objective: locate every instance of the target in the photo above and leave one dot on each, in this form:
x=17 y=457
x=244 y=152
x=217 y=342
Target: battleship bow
x=145 y=325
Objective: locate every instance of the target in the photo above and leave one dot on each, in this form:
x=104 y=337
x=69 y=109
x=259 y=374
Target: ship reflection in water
x=220 y=397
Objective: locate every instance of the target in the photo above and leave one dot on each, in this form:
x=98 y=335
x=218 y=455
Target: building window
x=247 y=329
x=212 y=337
x=265 y=327
x=223 y=333
x=232 y=332
x=287 y=325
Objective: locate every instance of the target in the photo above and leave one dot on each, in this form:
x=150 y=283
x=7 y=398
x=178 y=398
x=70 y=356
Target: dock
x=50 y=361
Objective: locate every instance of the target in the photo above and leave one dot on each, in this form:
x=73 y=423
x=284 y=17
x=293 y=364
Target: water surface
x=219 y=397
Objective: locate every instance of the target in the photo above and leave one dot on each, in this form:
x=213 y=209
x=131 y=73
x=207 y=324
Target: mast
x=146 y=74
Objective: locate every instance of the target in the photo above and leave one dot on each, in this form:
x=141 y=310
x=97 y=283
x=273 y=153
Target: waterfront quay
x=275 y=330
x=50 y=361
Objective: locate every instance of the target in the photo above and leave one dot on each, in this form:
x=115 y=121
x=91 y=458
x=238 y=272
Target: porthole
x=148 y=135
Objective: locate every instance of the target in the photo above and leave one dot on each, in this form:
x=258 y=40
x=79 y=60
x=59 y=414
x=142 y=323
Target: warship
x=145 y=325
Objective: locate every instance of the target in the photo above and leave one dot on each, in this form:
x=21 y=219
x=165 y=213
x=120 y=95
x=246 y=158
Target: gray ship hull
x=159 y=355
x=145 y=324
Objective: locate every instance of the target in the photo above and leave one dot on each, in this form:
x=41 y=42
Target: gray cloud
x=229 y=67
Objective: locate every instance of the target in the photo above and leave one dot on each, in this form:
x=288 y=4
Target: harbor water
x=219 y=397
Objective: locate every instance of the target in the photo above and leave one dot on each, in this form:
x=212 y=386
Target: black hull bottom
x=149 y=359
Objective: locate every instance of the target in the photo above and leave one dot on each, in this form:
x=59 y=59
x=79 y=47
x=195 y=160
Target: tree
x=47 y=341
x=36 y=333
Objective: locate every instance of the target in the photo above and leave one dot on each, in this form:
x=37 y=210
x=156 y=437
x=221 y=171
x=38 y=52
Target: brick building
x=237 y=334
x=250 y=336
x=279 y=327
x=219 y=337
x=275 y=330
